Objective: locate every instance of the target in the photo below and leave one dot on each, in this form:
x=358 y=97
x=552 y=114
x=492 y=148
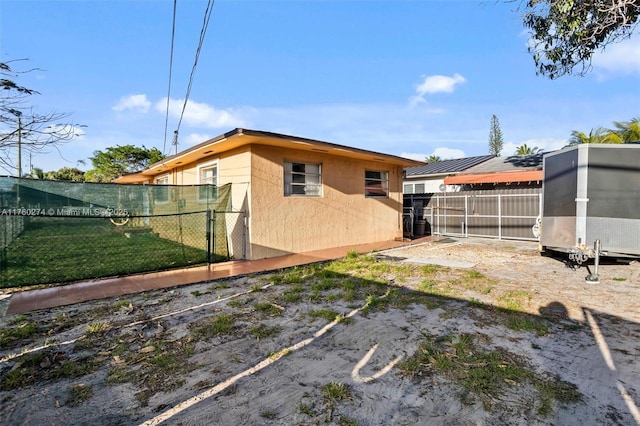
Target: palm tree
x=628 y=131
x=527 y=150
x=433 y=159
x=597 y=135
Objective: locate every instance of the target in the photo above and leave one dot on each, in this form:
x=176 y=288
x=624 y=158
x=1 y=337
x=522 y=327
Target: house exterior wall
x=278 y=224
x=341 y=216
x=431 y=185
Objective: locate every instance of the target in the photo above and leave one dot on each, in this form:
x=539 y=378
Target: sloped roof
x=509 y=164
x=242 y=137
x=515 y=168
x=447 y=166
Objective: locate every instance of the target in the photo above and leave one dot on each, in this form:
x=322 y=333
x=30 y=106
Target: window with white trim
x=161 y=191
x=376 y=184
x=208 y=175
x=302 y=179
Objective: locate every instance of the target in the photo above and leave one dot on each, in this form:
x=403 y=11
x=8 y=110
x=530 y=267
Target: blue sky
x=410 y=78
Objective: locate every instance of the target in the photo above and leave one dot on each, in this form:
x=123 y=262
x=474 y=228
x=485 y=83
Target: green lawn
x=55 y=250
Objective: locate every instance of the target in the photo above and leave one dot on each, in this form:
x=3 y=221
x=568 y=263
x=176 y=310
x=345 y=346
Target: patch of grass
x=291 y=297
x=76 y=368
x=432 y=269
x=523 y=322
x=334 y=391
x=240 y=302
x=29 y=259
x=219 y=286
x=79 y=393
x=475 y=302
x=196 y=293
x=619 y=279
x=513 y=300
x=119 y=305
x=269 y=415
x=117 y=375
x=20 y=331
x=262 y=331
x=97 y=328
x=327 y=314
x=306 y=409
x=346 y=421
x=483 y=373
x=556 y=390
x=209 y=327
x=44 y=366
x=268 y=308
x=256 y=288
x=325 y=284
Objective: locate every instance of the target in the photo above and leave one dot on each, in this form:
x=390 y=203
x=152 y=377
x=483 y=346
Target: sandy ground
x=166 y=356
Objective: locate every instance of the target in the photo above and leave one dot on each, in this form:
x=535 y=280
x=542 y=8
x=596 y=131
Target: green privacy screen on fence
x=53 y=232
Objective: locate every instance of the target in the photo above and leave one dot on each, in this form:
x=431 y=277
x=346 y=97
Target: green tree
x=22 y=128
x=71 y=174
x=433 y=159
x=597 y=135
x=628 y=131
x=566 y=33
x=37 y=173
x=495 y=137
x=527 y=150
x=120 y=160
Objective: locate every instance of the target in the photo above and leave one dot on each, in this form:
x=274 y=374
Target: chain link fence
x=55 y=232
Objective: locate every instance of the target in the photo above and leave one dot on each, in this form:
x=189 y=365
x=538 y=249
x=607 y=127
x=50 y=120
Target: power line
x=203 y=32
x=173 y=36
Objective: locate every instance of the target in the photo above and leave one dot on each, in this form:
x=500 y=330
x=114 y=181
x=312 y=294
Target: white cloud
x=621 y=58
x=448 y=153
x=137 y=103
x=414 y=156
x=201 y=114
x=436 y=84
x=196 y=138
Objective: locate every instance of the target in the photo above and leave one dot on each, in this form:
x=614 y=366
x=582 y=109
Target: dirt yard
x=462 y=332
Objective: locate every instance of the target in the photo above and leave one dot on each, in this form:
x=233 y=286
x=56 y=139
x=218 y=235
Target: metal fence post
x=208 y=236
x=465 y=224
x=499 y=216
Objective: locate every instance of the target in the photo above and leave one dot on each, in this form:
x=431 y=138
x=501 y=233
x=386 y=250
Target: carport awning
x=501 y=177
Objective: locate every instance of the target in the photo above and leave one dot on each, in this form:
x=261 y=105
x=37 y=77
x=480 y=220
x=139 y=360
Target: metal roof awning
x=500 y=177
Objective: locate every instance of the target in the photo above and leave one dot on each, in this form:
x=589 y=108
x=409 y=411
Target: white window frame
x=162 y=180
x=206 y=166
x=312 y=179
x=370 y=184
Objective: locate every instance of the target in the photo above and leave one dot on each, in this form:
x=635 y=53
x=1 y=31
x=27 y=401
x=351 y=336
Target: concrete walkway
x=31 y=300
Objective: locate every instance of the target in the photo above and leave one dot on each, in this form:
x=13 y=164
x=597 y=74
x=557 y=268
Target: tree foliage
x=120 y=160
x=625 y=131
x=566 y=33
x=524 y=149
x=495 y=137
x=21 y=125
x=433 y=159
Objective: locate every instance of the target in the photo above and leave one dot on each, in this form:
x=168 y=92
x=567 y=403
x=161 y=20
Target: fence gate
x=504 y=215
x=226 y=234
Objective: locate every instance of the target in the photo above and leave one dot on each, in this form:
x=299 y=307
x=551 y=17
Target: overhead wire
x=203 y=32
x=173 y=36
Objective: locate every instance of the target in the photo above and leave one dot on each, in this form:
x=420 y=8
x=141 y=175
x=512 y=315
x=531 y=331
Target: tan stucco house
x=298 y=194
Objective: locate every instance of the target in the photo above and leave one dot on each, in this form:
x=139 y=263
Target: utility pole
x=19 y=165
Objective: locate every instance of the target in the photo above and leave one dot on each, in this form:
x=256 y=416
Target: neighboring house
x=298 y=194
x=516 y=171
x=430 y=178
